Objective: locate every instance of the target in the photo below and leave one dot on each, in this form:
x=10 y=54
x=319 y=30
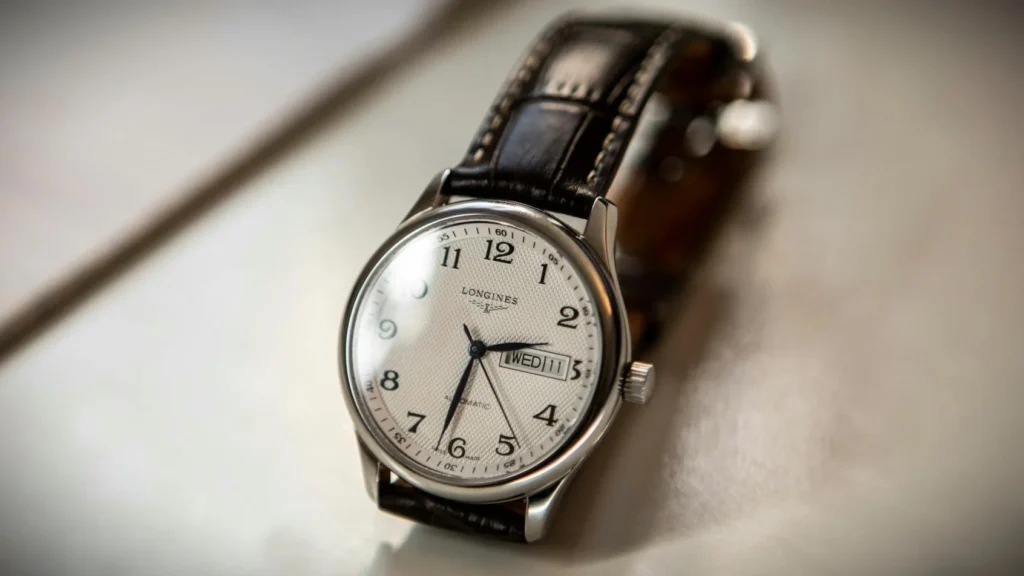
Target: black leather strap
x=554 y=139
x=501 y=521
x=556 y=134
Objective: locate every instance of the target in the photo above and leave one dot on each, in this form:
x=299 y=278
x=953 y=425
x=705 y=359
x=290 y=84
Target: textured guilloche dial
x=479 y=413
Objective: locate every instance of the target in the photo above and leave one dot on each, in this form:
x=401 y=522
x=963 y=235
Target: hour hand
x=512 y=346
x=456 y=398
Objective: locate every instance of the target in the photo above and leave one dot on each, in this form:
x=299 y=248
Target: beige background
x=110 y=111
x=841 y=395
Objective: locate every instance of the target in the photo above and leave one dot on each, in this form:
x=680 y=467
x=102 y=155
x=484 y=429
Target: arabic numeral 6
x=457 y=447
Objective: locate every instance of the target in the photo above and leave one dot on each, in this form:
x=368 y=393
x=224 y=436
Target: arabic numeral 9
x=387 y=329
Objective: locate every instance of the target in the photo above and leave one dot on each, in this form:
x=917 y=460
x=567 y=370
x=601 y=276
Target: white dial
x=475 y=351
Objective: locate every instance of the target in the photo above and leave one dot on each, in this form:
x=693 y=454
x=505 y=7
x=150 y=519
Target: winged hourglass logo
x=487 y=307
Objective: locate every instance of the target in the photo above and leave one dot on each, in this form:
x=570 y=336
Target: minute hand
x=513 y=346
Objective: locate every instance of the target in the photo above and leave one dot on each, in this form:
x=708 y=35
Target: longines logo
x=489 y=301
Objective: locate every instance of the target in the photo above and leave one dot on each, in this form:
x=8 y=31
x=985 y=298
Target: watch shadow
x=623 y=494
x=614 y=503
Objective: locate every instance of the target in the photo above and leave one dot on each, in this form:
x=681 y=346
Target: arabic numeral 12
x=502 y=252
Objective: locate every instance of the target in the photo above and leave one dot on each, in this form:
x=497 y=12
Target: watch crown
x=638 y=382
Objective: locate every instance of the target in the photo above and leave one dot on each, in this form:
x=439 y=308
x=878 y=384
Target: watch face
x=475 y=350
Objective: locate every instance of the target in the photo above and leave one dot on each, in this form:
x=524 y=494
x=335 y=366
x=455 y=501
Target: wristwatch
x=489 y=342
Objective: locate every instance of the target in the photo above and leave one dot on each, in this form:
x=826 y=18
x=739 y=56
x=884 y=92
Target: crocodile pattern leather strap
x=557 y=132
x=555 y=137
x=505 y=521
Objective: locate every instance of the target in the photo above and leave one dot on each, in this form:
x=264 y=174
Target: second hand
x=500 y=406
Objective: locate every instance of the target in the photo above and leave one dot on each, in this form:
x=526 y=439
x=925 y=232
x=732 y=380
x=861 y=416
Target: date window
x=539 y=362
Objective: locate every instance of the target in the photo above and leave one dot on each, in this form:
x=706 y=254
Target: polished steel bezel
x=615 y=346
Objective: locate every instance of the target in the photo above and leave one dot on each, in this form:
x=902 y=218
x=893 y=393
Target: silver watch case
x=593 y=254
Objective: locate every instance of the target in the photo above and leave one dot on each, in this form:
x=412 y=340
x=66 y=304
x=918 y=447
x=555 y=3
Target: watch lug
x=431 y=196
x=371 y=469
x=600 y=231
x=541 y=508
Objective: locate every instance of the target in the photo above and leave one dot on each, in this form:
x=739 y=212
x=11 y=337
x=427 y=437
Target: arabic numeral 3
x=576 y=370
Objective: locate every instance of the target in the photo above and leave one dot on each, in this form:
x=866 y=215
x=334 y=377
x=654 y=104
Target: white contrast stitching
x=655 y=57
x=520 y=77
